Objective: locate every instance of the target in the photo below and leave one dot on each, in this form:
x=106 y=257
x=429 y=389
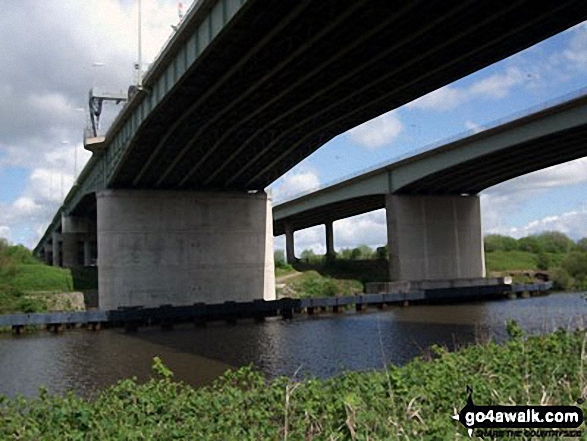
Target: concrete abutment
x=181 y=247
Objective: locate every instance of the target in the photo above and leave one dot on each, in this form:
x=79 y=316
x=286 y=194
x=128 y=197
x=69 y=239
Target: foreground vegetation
x=410 y=402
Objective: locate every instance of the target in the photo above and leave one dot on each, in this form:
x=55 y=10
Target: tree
x=308 y=255
x=356 y=253
x=531 y=244
x=575 y=264
x=555 y=242
x=582 y=244
x=498 y=242
x=382 y=252
x=279 y=258
x=561 y=280
x=543 y=261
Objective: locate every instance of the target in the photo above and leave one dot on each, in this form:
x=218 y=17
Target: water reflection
x=321 y=346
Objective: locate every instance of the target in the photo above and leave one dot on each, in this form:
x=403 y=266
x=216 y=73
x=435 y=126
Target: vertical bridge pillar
x=434 y=237
x=56 y=248
x=329 y=240
x=87 y=252
x=179 y=247
x=48 y=254
x=290 y=254
x=77 y=234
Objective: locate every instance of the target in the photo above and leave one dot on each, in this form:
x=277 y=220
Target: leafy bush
x=562 y=280
x=312 y=284
x=530 y=244
x=576 y=264
x=555 y=242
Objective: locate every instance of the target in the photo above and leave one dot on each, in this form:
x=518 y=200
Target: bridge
x=172 y=202
x=432 y=207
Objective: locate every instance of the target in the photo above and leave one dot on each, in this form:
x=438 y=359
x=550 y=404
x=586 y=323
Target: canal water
x=322 y=346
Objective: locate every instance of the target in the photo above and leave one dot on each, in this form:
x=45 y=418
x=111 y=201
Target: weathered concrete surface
x=56 y=247
x=290 y=253
x=171 y=247
x=77 y=234
x=434 y=237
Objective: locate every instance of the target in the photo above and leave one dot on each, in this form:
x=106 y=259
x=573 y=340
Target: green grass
x=41 y=278
x=284 y=270
x=510 y=261
x=413 y=402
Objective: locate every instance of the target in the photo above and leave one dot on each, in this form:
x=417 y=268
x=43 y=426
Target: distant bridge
x=242 y=93
x=432 y=211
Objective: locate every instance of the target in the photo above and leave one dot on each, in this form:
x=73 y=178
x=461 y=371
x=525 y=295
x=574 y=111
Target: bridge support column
x=178 y=247
x=75 y=231
x=87 y=252
x=290 y=253
x=434 y=237
x=330 y=253
x=56 y=247
x=48 y=254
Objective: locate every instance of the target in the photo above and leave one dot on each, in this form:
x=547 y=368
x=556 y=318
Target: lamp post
x=79 y=109
x=139 y=65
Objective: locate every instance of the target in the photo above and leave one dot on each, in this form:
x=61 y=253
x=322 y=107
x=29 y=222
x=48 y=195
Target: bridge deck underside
x=283 y=78
x=473 y=176
x=330 y=212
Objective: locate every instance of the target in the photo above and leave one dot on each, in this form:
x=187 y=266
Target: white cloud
x=492 y=87
x=474 y=127
x=313 y=238
x=5 y=232
x=498 y=85
x=511 y=196
x=366 y=229
x=445 y=98
x=576 y=52
x=52 y=47
x=572 y=223
x=378 y=131
x=294 y=183
x=569 y=173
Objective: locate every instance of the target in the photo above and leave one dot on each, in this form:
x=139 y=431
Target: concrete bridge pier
x=78 y=234
x=434 y=237
x=330 y=253
x=48 y=254
x=56 y=247
x=180 y=247
x=290 y=254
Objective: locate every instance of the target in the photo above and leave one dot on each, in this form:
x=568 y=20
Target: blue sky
x=45 y=84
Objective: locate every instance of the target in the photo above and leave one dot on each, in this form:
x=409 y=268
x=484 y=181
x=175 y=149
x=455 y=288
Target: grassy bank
x=410 y=402
x=312 y=284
